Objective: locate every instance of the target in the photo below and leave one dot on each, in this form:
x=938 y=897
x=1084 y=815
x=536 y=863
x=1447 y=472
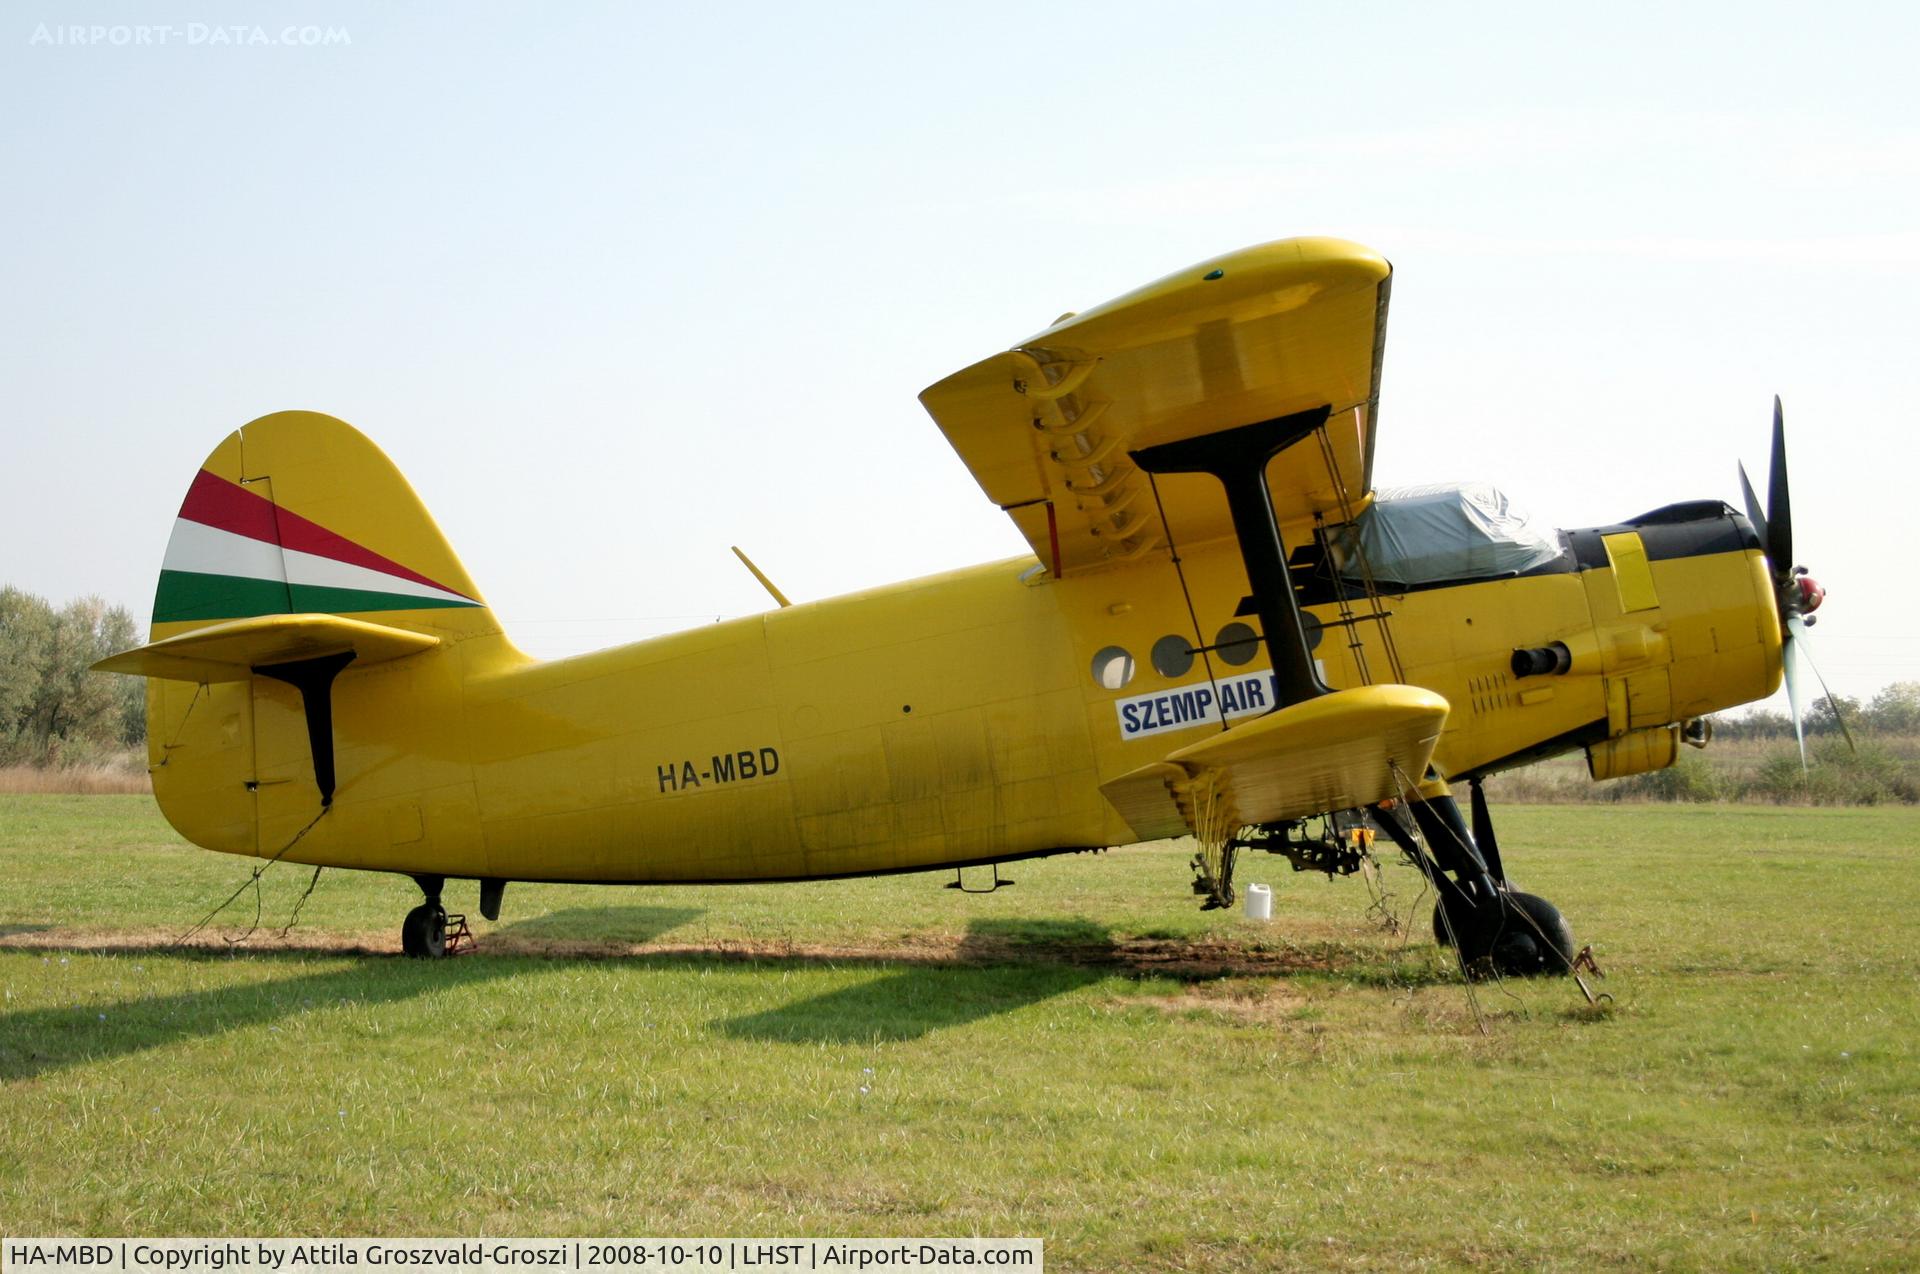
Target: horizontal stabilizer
x=1341 y=751
x=230 y=651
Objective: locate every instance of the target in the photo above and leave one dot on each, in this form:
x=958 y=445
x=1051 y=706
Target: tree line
x=1894 y=710
x=53 y=711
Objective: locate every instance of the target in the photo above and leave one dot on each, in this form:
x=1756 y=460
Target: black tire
x=1537 y=941
x=1462 y=914
x=1525 y=937
x=423 y=935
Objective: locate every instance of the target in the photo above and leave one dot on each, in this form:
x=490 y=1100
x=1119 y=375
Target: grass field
x=1085 y=1057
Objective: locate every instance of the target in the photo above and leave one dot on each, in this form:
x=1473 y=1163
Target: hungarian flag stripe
x=188 y=595
x=213 y=501
x=234 y=554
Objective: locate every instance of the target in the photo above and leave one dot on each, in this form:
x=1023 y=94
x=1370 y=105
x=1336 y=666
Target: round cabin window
x=1237 y=644
x=1172 y=656
x=1112 y=668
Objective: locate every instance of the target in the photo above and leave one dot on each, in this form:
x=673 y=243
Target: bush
x=1836 y=776
x=1690 y=778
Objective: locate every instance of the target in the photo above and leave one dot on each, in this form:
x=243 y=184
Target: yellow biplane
x=1223 y=631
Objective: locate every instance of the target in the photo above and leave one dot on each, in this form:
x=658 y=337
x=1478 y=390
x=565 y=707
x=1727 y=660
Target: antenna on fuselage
x=765 y=583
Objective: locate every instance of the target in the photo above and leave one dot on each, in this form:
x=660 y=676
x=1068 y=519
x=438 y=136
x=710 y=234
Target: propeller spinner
x=1796 y=593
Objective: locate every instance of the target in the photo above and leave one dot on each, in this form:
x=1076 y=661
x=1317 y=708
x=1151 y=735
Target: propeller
x=1796 y=593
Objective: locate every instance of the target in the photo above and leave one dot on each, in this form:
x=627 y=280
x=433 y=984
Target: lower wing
x=1344 y=750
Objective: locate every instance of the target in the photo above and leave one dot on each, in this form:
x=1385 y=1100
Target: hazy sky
x=620 y=285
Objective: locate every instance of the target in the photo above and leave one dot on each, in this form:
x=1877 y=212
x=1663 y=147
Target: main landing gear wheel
x=1461 y=913
x=1526 y=937
x=424 y=933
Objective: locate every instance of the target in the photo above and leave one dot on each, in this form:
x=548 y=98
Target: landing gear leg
x=423 y=935
x=1495 y=925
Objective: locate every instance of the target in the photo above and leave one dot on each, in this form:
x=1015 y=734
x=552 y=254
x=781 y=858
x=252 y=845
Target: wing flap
x=1344 y=750
x=230 y=651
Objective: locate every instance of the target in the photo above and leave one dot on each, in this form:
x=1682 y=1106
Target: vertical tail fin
x=299 y=552
x=298 y=513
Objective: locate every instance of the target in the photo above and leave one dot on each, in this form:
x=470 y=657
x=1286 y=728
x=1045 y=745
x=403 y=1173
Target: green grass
x=1085 y=1057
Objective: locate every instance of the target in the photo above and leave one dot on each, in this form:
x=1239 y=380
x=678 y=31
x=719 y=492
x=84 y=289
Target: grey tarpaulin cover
x=1419 y=535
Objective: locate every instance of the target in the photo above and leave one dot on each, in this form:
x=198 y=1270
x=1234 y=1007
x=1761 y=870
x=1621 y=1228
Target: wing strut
x=1238 y=457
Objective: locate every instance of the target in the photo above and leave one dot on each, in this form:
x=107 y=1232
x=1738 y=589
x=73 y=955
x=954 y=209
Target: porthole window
x=1112 y=668
x=1172 y=656
x=1237 y=643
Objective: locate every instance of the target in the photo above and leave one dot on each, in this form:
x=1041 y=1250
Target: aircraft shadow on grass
x=1000 y=966
x=34 y=1041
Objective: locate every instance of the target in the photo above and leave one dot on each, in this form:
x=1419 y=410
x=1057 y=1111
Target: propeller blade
x=1779 y=533
x=1756 y=517
x=1790 y=665
x=1797 y=627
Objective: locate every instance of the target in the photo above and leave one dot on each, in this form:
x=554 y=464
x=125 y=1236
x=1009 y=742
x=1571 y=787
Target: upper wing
x=1272 y=330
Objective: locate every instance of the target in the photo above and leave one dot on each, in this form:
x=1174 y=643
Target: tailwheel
x=1524 y=936
x=423 y=935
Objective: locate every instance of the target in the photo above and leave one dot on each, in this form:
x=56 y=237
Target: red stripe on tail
x=227 y=506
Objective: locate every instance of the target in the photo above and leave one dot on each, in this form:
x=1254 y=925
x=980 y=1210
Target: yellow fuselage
x=948 y=720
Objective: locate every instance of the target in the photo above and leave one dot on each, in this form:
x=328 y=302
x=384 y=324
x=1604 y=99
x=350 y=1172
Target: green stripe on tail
x=189 y=595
